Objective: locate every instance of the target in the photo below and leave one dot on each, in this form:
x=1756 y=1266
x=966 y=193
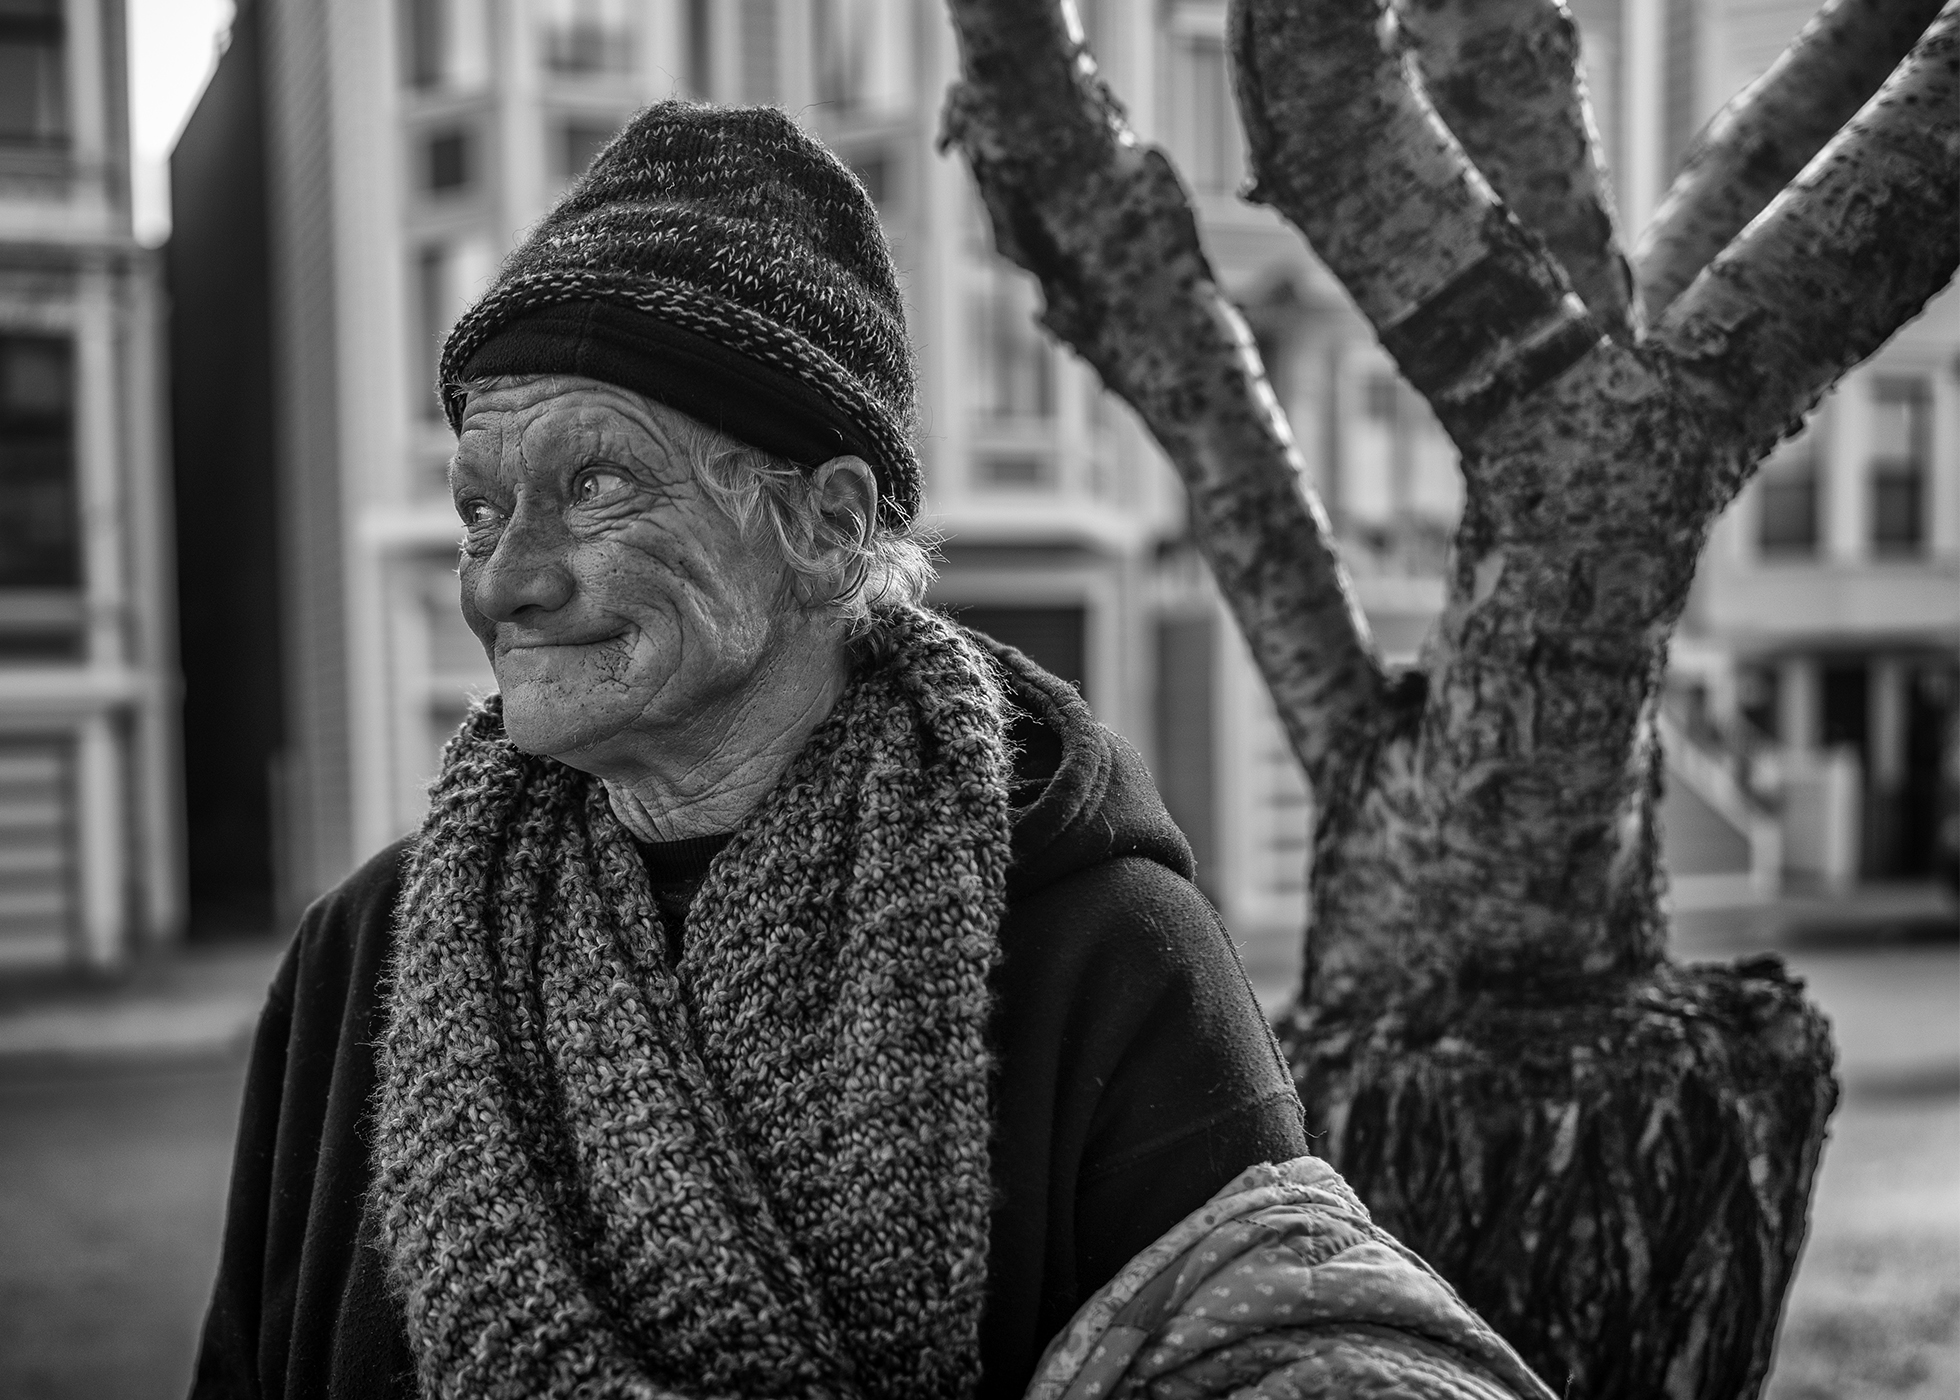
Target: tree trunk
x=1611 y=1156
x=1616 y=1179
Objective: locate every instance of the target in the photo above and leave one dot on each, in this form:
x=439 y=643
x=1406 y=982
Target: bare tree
x=1609 y=1154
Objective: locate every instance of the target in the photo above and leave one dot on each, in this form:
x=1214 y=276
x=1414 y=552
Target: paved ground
x=112 y=1183
x=198 y=1000
x=1874 y=1313
x=117 y=1100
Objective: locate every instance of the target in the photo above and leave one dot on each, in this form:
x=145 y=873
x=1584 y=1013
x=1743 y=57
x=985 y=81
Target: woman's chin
x=553 y=729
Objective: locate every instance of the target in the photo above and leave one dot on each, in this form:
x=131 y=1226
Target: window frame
x=53 y=427
x=1906 y=477
x=47 y=32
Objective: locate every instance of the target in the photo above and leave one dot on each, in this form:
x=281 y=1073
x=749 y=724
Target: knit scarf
x=762 y=1172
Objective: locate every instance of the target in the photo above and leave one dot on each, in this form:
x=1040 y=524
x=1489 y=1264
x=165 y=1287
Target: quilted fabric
x=1280 y=1288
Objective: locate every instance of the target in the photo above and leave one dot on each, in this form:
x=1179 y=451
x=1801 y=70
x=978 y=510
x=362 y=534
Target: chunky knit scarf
x=763 y=1172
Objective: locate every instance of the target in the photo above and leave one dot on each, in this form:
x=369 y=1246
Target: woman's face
x=615 y=600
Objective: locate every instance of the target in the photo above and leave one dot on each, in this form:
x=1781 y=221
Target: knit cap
x=723 y=262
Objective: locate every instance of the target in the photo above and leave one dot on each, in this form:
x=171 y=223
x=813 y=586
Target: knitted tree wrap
x=763 y=1172
x=736 y=225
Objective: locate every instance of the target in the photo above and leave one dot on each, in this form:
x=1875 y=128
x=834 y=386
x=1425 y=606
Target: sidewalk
x=1869 y=916
x=204 y=999
x=193 y=1001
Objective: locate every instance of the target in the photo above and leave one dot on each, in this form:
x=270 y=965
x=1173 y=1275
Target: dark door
x=1052 y=638
x=1930 y=698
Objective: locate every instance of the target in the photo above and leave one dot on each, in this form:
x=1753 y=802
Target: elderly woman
x=752 y=1014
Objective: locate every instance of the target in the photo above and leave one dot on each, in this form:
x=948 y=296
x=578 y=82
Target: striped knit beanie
x=721 y=261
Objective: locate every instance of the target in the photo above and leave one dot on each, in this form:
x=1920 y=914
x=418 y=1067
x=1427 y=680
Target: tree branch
x=1105 y=225
x=1504 y=75
x=1848 y=254
x=1760 y=142
x=1341 y=141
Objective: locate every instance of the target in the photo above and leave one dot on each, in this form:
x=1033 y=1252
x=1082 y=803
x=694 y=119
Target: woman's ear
x=845 y=493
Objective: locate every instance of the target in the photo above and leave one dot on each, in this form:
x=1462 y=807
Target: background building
x=89 y=823
x=358 y=167
x=1817 y=672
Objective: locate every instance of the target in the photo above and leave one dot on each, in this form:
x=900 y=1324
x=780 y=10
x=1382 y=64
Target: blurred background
x=231 y=240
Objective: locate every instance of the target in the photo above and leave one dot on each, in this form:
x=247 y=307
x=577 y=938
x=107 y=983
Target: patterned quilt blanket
x=1280 y=1288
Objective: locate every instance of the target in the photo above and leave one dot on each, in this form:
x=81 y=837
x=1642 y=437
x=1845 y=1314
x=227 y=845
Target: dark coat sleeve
x=1137 y=1076
x=300 y=1308
x=227 y=1358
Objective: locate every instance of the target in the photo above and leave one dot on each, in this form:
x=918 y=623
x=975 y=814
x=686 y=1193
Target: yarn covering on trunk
x=763 y=1172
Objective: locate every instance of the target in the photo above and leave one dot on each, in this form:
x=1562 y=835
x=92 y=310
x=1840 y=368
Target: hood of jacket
x=1081 y=793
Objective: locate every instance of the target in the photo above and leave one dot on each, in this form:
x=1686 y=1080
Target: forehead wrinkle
x=494 y=426
x=540 y=422
x=616 y=427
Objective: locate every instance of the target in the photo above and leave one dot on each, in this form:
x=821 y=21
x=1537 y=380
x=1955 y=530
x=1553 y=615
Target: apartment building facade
x=350 y=181
x=403 y=146
x=89 y=856
x=1821 y=650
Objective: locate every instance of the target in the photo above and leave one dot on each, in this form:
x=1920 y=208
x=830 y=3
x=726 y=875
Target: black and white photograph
x=979 y=699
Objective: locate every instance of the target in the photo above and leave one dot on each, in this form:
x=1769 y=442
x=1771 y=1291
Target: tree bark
x=1105 y=225
x=1760 y=141
x=1504 y=76
x=1609 y=1155
x=1344 y=145
x=1775 y=319
x=1617 y=1180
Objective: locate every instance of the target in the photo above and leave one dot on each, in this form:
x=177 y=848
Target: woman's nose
x=527 y=570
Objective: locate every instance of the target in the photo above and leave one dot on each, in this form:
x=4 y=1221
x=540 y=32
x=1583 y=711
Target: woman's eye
x=593 y=484
x=477 y=515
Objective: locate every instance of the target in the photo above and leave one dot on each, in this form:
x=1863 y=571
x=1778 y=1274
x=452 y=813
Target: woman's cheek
x=483 y=627
x=624 y=576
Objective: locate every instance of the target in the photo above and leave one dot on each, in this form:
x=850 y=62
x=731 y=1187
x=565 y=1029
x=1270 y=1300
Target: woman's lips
x=552 y=643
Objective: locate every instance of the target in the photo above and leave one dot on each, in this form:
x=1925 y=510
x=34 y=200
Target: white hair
x=766 y=496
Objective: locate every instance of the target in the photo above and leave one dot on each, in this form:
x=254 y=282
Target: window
x=1787 y=524
x=33 y=83
x=1013 y=366
x=874 y=169
x=1377 y=458
x=862 y=51
x=447 y=277
x=40 y=532
x=432 y=323
x=1902 y=414
x=1014 y=471
x=427 y=31
x=1383 y=398
x=445 y=44
x=579 y=143
x=838 y=32
x=1204 y=117
x=759 y=52
x=1756 y=690
x=1054 y=638
x=698 y=42
x=588 y=36
x=447 y=161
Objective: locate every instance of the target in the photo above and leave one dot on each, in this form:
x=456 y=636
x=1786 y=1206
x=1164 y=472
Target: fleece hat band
x=704 y=379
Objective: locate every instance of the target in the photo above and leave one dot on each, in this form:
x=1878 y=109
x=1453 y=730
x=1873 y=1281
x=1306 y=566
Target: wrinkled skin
x=635 y=631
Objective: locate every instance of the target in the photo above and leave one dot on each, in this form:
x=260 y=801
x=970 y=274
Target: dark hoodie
x=1135 y=1078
